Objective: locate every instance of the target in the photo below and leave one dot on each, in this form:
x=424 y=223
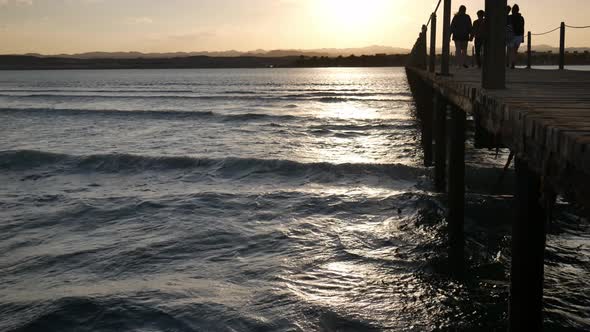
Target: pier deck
x=542 y=115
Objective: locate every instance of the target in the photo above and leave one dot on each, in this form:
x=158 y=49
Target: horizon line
x=260 y=51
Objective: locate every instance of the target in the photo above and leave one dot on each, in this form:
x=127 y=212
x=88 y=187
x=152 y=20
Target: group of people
x=463 y=31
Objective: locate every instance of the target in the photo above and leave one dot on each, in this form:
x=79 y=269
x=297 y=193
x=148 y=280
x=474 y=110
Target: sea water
x=248 y=200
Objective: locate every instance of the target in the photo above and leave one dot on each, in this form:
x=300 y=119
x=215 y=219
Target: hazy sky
x=71 y=26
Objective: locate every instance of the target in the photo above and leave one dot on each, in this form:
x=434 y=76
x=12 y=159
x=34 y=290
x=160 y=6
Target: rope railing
x=577 y=27
x=553 y=30
x=562 y=50
x=420 y=57
x=435 y=10
x=418 y=54
x=545 y=33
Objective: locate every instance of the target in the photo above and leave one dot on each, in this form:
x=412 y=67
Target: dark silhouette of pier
x=542 y=116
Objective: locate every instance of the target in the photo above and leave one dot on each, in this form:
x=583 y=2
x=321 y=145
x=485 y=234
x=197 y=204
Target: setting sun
x=350 y=13
x=294 y=165
x=350 y=20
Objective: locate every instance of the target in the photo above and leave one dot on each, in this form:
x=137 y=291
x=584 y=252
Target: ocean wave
x=323 y=93
x=65 y=90
x=322 y=97
x=364 y=127
x=162 y=115
x=17 y=160
x=257 y=116
x=87 y=313
x=241 y=92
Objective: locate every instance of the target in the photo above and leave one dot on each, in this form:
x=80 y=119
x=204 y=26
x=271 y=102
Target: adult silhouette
x=461 y=27
x=516 y=21
x=478 y=33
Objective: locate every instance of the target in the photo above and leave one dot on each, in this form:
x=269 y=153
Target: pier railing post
x=562 y=46
x=456 y=187
x=494 y=65
x=432 y=64
x=529 y=55
x=528 y=247
x=440 y=154
x=446 y=39
x=424 y=48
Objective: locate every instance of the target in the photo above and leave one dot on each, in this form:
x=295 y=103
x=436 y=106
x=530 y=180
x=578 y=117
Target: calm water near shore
x=556 y=67
x=248 y=200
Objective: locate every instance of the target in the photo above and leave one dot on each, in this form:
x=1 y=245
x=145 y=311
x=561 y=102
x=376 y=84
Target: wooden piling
x=446 y=47
x=427 y=124
x=562 y=46
x=528 y=247
x=529 y=51
x=456 y=185
x=424 y=48
x=440 y=154
x=494 y=64
x=432 y=63
x=547 y=129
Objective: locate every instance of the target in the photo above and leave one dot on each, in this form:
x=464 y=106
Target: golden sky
x=72 y=26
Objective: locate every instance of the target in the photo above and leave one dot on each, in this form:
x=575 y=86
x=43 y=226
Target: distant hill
x=24 y=62
x=331 y=52
x=260 y=53
x=548 y=48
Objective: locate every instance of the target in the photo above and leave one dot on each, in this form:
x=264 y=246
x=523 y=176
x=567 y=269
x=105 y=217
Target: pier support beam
x=494 y=63
x=456 y=186
x=440 y=155
x=427 y=124
x=528 y=248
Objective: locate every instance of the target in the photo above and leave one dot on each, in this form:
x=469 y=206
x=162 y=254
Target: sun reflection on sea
x=349 y=111
x=346 y=146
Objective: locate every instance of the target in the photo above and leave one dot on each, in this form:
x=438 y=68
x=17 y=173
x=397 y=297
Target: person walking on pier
x=516 y=21
x=461 y=31
x=478 y=33
x=509 y=35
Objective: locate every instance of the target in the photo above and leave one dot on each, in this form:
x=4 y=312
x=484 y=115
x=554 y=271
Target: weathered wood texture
x=528 y=248
x=542 y=115
x=456 y=184
x=432 y=53
x=493 y=72
x=446 y=39
x=440 y=154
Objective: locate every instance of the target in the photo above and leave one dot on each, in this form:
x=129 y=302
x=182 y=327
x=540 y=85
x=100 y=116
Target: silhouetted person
x=461 y=31
x=509 y=35
x=478 y=33
x=517 y=23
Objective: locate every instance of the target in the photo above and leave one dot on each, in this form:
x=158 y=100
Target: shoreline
x=26 y=62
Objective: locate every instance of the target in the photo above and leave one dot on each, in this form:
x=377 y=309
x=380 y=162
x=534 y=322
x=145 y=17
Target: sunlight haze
x=73 y=26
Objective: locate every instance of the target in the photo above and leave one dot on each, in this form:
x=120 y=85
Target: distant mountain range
x=330 y=52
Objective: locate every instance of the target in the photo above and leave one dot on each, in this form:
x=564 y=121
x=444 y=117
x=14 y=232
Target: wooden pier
x=542 y=116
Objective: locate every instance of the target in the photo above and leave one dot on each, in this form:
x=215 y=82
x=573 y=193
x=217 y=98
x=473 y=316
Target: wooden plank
x=542 y=115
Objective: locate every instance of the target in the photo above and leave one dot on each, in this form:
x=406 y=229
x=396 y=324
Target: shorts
x=461 y=44
x=516 y=41
x=509 y=37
